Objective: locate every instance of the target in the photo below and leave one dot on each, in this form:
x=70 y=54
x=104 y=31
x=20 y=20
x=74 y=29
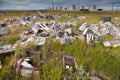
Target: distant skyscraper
x=56 y=8
x=71 y=7
x=60 y=8
x=81 y=7
x=92 y=7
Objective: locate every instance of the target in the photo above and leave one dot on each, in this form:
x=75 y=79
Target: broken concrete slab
x=25 y=64
x=94 y=27
x=107 y=44
x=115 y=43
x=105 y=19
x=71 y=24
x=63 y=41
x=83 y=26
x=24 y=67
x=59 y=33
x=4 y=31
x=69 y=61
x=2 y=24
x=7 y=49
x=69 y=31
x=88 y=38
x=40 y=41
x=26 y=72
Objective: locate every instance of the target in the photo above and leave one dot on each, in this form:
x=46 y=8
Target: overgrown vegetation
x=93 y=57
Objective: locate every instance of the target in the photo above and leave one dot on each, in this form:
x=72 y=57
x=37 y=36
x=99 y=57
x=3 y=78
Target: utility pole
x=53 y=7
x=112 y=6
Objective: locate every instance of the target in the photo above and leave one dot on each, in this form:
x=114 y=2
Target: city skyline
x=45 y=4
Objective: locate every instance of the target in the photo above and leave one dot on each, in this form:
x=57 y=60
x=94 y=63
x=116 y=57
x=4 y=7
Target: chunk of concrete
x=69 y=61
x=4 y=31
x=115 y=43
x=40 y=41
x=69 y=31
x=107 y=44
x=83 y=26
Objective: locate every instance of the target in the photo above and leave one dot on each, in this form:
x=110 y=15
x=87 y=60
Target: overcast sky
x=44 y=4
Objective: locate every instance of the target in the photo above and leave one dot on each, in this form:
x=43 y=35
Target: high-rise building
x=71 y=7
x=81 y=7
x=92 y=7
x=60 y=8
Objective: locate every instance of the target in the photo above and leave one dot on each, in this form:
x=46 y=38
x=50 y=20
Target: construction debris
x=4 y=31
x=25 y=67
x=7 y=49
x=105 y=19
x=115 y=43
x=3 y=24
x=69 y=61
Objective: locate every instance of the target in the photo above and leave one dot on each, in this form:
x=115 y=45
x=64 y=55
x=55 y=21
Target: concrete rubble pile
x=24 y=67
x=90 y=32
x=41 y=31
x=94 y=32
x=26 y=20
x=62 y=31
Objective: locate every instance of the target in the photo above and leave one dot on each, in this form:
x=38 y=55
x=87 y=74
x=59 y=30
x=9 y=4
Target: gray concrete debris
x=7 y=49
x=69 y=31
x=40 y=41
x=2 y=24
x=115 y=43
x=105 y=19
x=94 y=32
x=69 y=61
x=71 y=24
x=26 y=72
x=24 y=67
x=63 y=41
x=59 y=33
x=107 y=44
x=83 y=26
x=40 y=27
x=4 y=31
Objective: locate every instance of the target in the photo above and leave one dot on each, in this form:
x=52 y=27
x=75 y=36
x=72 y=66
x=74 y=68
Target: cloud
x=42 y=4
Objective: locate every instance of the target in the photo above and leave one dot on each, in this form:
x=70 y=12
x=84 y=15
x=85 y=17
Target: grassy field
x=94 y=58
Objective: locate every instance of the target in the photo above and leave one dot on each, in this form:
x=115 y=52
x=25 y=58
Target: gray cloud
x=42 y=4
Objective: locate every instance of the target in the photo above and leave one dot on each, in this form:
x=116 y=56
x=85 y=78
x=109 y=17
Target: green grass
x=94 y=58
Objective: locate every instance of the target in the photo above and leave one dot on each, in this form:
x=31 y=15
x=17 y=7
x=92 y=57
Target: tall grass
x=94 y=58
